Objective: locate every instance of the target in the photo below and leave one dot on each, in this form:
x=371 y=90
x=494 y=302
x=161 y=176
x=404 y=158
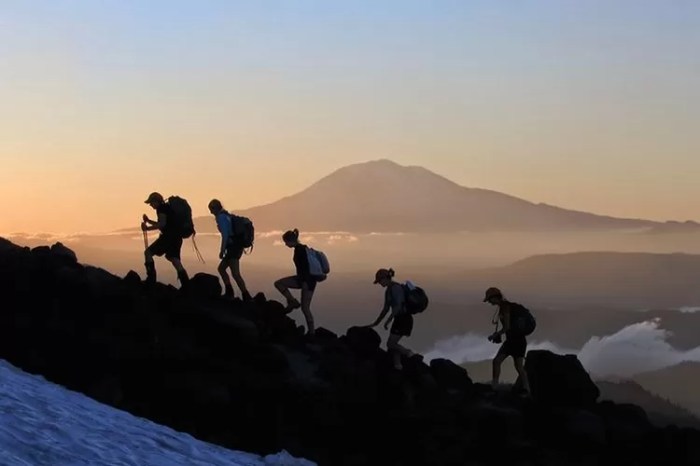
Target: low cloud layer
x=637 y=348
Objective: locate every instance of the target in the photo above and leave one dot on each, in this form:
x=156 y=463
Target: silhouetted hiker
x=236 y=235
x=517 y=324
x=311 y=267
x=169 y=243
x=395 y=299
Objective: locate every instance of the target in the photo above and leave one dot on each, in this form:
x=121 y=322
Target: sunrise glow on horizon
x=591 y=105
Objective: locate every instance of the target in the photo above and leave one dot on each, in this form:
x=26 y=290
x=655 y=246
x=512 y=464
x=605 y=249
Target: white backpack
x=319 y=266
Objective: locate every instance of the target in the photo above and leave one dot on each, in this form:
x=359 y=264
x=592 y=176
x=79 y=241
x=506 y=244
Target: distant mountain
x=630 y=280
x=679 y=383
x=382 y=196
x=661 y=411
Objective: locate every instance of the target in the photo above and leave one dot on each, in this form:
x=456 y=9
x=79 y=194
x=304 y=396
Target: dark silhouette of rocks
x=244 y=376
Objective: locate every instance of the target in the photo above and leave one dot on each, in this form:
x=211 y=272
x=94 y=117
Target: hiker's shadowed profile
x=517 y=322
x=311 y=268
x=237 y=234
x=174 y=221
x=403 y=300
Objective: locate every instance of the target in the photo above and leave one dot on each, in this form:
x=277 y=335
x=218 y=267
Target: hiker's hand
x=145 y=218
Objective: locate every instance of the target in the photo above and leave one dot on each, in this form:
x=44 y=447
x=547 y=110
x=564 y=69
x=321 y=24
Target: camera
x=495 y=338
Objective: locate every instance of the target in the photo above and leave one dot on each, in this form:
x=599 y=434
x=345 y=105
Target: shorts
x=233 y=252
x=515 y=346
x=402 y=325
x=168 y=245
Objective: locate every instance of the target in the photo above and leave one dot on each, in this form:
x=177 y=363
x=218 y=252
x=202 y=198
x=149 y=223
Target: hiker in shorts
x=515 y=344
x=169 y=243
x=230 y=252
x=303 y=280
x=400 y=319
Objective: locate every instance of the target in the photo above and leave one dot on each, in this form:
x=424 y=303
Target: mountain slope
x=382 y=196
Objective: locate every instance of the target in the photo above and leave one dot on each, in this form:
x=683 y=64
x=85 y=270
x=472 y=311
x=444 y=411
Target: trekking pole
x=145 y=234
x=196 y=250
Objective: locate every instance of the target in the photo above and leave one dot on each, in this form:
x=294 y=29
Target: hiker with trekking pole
x=174 y=223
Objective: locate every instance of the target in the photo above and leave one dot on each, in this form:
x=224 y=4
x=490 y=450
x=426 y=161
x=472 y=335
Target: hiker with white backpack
x=311 y=267
x=175 y=223
x=403 y=300
x=237 y=234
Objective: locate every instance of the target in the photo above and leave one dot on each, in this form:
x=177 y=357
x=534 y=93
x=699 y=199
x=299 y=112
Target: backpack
x=243 y=231
x=319 y=267
x=522 y=321
x=182 y=223
x=416 y=299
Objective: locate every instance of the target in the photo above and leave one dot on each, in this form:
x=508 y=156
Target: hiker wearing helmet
x=230 y=252
x=303 y=280
x=169 y=243
x=400 y=319
x=509 y=314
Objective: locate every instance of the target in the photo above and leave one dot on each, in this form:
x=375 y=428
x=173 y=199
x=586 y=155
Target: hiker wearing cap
x=510 y=315
x=303 y=280
x=169 y=243
x=400 y=319
x=230 y=252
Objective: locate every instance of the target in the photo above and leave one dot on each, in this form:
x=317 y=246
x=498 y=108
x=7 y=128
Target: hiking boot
x=184 y=279
x=150 y=274
x=291 y=305
x=228 y=293
x=246 y=296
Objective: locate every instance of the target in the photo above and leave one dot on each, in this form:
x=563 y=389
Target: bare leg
x=223 y=265
x=283 y=285
x=520 y=367
x=397 y=350
x=306 y=297
x=497 y=361
x=181 y=272
x=235 y=266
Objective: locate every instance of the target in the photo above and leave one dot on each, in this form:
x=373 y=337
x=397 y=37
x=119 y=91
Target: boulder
x=204 y=286
x=363 y=341
x=559 y=380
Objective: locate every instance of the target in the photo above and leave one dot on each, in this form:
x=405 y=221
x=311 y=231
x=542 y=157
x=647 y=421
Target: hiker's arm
x=384 y=312
x=225 y=229
x=159 y=225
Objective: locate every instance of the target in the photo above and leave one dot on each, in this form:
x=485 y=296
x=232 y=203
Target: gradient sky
x=588 y=104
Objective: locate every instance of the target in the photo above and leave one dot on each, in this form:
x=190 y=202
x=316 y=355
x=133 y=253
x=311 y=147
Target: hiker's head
x=215 y=206
x=383 y=277
x=155 y=200
x=493 y=296
x=291 y=238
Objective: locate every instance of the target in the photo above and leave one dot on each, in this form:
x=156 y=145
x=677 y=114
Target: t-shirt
x=395 y=298
x=301 y=262
x=166 y=210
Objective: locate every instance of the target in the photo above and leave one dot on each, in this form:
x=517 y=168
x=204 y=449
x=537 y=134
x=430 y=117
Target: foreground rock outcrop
x=243 y=376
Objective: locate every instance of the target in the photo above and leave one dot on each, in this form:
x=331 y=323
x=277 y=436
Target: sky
x=591 y=105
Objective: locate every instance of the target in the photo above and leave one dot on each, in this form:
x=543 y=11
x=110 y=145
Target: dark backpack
x=243 y=231
x=182 y=223
x=416 y=299
x=522 y=322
